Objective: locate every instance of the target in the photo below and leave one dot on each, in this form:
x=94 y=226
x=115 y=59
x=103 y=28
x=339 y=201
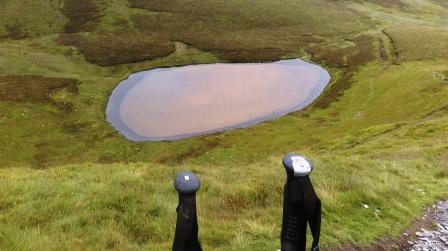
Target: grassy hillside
x=378 y=134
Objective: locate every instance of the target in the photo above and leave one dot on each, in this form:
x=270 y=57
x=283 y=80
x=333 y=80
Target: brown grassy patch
x=234 y=15
x=113 y=49
x=249 y=55
x=234 y=46
x=84 y=15
x=391 y=4
x=419 y=42
x=350 y=57
x=35 y=89
x=362 y=52
x=225 y=45
x=243 y=31
x=16 y=31
x=335 y=91
x=122 y=24
x=234 y=202
x=443 y=3
x=75 y=127
x=328 y=56
x=201 y=147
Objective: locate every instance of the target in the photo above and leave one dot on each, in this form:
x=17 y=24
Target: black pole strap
x=293 y=235
x=186 y=235
x=313 y=213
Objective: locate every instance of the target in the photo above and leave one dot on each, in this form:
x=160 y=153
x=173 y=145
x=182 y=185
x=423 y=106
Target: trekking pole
x=186 y=235
x=300 y=205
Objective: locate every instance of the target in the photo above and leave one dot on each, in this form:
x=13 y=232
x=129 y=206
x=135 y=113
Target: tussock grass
x=83 y=15
x=32 y=88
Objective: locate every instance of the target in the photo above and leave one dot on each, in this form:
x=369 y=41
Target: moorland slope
x=378 y=134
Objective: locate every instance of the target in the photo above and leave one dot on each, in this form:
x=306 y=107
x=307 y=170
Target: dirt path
x=430 y=233
x=437 y=238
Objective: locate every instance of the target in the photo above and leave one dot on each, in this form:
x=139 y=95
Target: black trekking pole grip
x=186 y=235
x=300 y=205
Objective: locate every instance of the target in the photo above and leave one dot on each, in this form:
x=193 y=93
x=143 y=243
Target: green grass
x=426 y=42
x=26 y=18
x=378 y=134
x=132 y=207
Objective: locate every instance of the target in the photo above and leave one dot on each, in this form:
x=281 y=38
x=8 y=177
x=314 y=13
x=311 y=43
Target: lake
x=179 y=102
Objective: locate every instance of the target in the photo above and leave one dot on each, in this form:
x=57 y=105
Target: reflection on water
x=179 y=102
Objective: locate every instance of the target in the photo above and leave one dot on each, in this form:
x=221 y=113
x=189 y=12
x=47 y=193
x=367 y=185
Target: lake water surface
x=180 y=102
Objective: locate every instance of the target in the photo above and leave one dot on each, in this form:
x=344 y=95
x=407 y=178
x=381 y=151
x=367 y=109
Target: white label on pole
x=300 y=165
x=186 y=177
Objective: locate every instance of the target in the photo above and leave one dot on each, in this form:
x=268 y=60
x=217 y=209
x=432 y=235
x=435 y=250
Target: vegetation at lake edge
x=378 y=134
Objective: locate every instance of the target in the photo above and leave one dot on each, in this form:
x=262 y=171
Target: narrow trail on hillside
x=435 y=239
x=388 y=45
x=429 y=233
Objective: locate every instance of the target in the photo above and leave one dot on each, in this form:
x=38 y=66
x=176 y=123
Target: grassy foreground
x=69 y=181
x=132 y=207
